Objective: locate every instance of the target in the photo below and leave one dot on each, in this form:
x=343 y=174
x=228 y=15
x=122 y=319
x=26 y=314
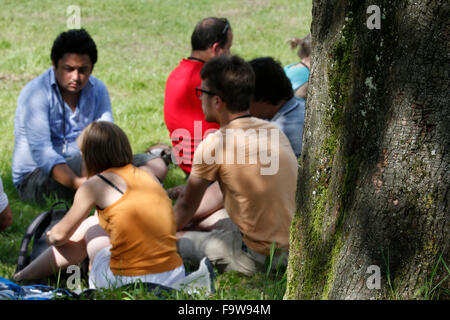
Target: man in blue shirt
x=274 y=100
x=52 y=111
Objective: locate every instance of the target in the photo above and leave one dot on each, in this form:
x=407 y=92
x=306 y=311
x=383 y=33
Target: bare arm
x=211 y=202
x=64 y=175
x=83 y=202
x=302 y=91
x=189 y=200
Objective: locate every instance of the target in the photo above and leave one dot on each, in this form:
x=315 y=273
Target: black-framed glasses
x=199 y=91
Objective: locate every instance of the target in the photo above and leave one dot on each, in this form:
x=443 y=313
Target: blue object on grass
x=12 y=291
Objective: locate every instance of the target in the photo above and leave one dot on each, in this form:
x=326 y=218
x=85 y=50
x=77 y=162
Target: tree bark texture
x=374 y=178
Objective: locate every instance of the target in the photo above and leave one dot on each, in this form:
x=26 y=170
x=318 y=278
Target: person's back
x=256 y=169
x=273 y=100
x=298 y=73
x=290 y=119
x=299 y=76
x=257 y=172
x=133 y=235
x=183 y=112
x=140 y=224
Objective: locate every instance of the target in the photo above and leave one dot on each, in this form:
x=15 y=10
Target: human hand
x=79 y=181
x=175 y=192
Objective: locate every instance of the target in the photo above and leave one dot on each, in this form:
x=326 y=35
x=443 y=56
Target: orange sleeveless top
x=141 y=226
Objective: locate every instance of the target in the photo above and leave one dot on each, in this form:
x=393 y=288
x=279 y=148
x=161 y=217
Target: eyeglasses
x=199 y=92
x=225 y=30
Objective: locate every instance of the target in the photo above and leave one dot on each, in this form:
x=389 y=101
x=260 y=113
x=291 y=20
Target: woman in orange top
x=133 y=235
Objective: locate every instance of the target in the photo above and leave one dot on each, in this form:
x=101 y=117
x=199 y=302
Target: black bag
x=37 y=230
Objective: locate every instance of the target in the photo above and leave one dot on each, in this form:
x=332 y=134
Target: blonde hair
x=104 y=145
x=303 y=44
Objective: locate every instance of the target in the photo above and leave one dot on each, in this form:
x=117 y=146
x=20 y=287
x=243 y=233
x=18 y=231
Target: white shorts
x=101 y=275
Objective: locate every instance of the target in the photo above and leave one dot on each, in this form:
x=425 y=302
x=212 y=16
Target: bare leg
x=96 y=239
x=54 y=258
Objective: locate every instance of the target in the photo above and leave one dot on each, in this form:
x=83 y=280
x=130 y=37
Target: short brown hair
x=104 y=145
x=232 y=78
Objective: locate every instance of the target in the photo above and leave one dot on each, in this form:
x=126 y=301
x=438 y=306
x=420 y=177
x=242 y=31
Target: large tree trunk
x=374 y=175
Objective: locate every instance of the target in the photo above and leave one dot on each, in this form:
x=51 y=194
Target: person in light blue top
x=299 y=75
x=290 y=119
x=52 y=111
x=298 y=72
x=274 y=100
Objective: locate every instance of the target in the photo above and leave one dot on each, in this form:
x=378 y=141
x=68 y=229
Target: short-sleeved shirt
x=290 y=119
x=256 y=169
x=40 y=118
x=183 y=112
x=3 y=197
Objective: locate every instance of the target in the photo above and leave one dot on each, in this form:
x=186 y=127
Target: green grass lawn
x=139 y=43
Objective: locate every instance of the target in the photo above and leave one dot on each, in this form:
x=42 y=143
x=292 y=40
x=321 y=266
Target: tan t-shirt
x=257 y=172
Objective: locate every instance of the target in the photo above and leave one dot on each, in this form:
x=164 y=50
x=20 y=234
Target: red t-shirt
x=182 y=109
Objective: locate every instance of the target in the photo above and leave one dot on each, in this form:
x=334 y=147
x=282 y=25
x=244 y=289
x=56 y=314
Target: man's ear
x=215 y=49
x=219 y=104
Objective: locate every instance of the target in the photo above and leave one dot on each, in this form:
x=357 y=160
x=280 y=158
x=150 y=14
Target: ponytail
x=303 y=44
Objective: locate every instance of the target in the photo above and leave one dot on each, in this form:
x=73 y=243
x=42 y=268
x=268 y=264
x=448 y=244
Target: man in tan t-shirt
x=256 y=168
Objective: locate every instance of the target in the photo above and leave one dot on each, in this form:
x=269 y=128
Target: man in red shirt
x=183 y=113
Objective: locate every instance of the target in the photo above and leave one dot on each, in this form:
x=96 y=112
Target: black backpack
x=37 y=231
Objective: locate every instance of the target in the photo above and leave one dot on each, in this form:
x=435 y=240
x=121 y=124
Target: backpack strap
x=23 y=258
x=30 y=232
